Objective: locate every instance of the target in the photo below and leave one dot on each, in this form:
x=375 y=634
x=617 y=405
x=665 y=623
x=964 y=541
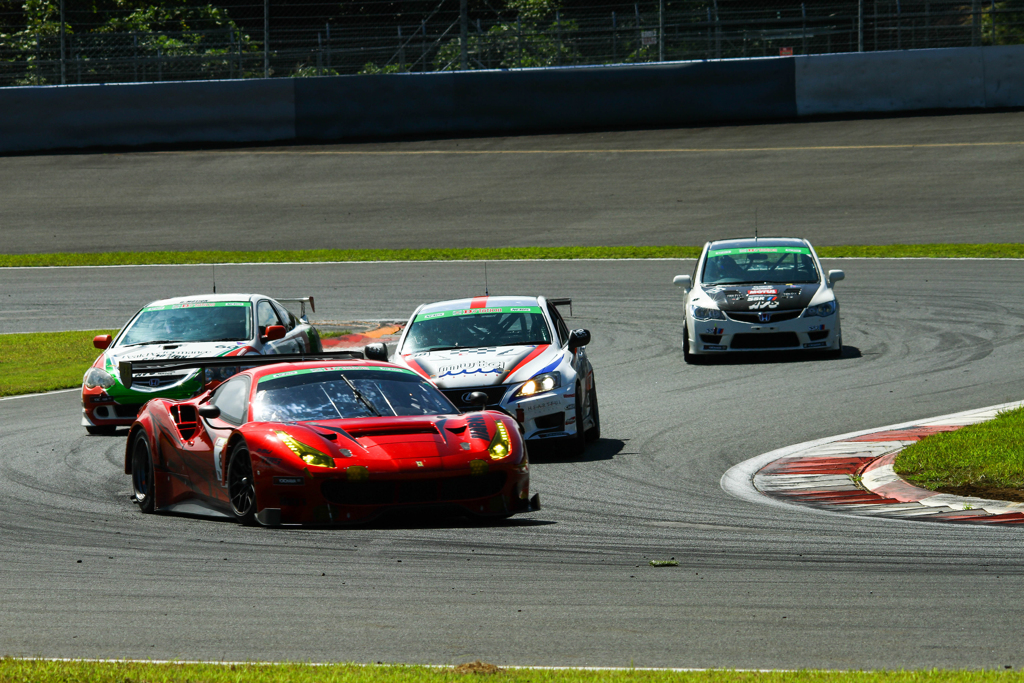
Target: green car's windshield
x=499 y=326
x=327 y=394
x=191 y=322
x=751 y=265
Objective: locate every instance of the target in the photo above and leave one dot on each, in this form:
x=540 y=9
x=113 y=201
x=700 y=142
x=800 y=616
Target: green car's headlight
x=307 y=454
x=96 y=378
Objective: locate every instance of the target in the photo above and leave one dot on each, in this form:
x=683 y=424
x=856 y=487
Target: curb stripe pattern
x=855 y=475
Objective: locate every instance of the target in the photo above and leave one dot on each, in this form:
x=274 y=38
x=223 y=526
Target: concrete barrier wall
x=503 y=102
x=540 y=100
x=910 y=80
x=54 y=117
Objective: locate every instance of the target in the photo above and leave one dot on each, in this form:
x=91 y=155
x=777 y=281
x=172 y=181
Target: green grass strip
x=989 y=455
x=120 y=258
x=45 y=361
x=17 y=671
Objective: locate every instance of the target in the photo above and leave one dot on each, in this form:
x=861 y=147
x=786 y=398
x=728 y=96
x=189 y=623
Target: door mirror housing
x=835 y=276
x=274 y=332
x=102 y=341
x=477 y=400
x=684 y=281
x=376 y=351
x=209 y=411
x=578 y=338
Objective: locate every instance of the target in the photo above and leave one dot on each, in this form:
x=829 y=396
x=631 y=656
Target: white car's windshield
x=191 y=322
x=741 y=265
x=331 y=393
x=498 y=326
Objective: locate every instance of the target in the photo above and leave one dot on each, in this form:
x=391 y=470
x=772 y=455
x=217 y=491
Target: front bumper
x=550 y=415
x=798 y=334
x=328 y=499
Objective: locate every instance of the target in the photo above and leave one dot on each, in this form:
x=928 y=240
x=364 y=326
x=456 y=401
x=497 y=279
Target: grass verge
x=984 y=460
x=120 y=258
x=45 y=361
x=14 y=670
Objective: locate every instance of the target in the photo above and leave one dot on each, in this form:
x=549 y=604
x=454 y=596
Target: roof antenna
x=486 y=293
x=755 y=223
x=214 y=266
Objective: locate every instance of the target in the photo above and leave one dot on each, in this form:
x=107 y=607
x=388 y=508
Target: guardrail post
x=464 y=33
x=266 y=38
x=62 y=79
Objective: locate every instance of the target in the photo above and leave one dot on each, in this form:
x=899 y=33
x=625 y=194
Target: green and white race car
x=188 y=327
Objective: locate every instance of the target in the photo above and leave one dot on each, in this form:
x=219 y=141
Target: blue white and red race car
x=187 y=327
x=759 y=294
x=325 y=439
x=517 y=351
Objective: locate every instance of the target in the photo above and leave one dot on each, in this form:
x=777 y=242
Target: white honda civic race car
x=510 y=353
x=757 y=295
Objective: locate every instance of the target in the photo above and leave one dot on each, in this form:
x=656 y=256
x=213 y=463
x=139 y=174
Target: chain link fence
x=46 y=42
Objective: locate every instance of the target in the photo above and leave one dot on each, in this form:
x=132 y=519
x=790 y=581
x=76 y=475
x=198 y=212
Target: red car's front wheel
x=241 y=489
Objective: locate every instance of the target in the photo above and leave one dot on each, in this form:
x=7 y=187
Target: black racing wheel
x=143 y=477
x=241 y=490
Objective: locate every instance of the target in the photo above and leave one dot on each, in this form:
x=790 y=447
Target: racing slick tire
x=578 y=442
x=106 y=430
x=143 y=476
x=241 y=491
x=594 y=433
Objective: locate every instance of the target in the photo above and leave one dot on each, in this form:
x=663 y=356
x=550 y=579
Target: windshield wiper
x=154 y=341
x=360 y=396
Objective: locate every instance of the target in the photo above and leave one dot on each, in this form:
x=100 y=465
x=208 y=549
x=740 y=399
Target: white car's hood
x=476 y=367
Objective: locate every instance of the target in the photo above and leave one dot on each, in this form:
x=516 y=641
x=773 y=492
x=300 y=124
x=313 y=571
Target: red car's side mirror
x=102 y=341
x=274 y=332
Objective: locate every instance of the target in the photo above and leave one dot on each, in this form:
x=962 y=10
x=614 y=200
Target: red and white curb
x=853 y=474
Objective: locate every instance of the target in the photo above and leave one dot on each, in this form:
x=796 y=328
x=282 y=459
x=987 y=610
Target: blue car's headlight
x=94 y=377
x=821 y=310
x=540 y=384
x=701 y=313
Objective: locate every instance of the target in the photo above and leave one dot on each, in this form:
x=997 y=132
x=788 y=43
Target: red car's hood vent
x=392 y=430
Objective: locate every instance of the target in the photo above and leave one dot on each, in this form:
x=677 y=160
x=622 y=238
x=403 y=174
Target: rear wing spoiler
x=302 y=301
x=128 y=369
x=562 y=302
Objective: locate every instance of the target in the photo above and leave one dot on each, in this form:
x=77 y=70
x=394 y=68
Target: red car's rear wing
x=127 y=369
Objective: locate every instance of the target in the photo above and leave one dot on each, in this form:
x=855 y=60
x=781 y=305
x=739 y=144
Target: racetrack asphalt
x=946 y=178
x=84 y=574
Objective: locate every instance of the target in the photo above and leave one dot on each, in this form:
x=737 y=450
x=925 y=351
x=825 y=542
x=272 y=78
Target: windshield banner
x=473 y=311
x=760 y=250
x=197 y=304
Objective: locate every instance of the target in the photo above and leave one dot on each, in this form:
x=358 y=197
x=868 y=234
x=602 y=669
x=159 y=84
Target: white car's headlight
x=821 y=310
x=701 y=313
x=540 y=384
x=94 y=377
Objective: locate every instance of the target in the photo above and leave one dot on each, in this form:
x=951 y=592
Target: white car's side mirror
x=683 y=281
x=835 y=276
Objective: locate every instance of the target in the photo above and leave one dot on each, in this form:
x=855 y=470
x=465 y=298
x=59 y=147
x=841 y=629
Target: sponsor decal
x=773 y=302
x=476 y=311
x=816 y=328
x=732 y=296
x=764 y=317
x=760 y=250
x=346 y=368
x=531 y=410
x=419 y=463
x=478 y=427
x=714 y=330
x=480 y=367
x=199 y=303
x=761 y=290
x=288 y=481
x=815 y=345
x=715 y=347
x=570 y=420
